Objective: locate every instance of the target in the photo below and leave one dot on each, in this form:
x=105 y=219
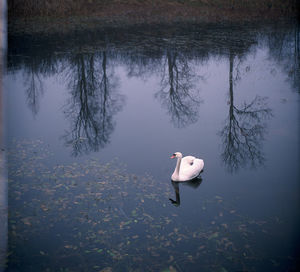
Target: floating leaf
x=68 y=246
x=133 y=212
x=213 y=236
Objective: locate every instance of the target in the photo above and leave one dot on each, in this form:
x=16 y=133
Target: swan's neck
x=176 y=172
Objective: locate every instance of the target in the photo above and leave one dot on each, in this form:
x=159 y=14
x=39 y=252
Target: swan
x=186 y=168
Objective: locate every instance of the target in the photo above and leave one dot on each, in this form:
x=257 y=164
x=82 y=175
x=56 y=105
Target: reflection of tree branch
x=93 y=103
x=284 y=46
x=178 y=92
x=34 y=87
x=243 y=134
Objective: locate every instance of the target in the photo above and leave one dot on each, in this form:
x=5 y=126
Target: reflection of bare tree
x=178 y=92
x=191 y=183
x=35 y=70
x=142 y=66
x=93 y=104
x=243 y=134
x=284 y=45
x=34 y=87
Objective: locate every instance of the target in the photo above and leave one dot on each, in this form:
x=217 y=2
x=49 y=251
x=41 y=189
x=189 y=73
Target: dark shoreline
x=146 y=9
x=132 y=12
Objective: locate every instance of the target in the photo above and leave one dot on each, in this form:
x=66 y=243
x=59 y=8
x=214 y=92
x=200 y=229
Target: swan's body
x=186 y=168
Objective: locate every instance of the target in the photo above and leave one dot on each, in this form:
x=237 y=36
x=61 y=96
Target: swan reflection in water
x=194 y=183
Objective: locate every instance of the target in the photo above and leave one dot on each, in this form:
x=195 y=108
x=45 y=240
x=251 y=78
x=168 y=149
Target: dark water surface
x=93 y=117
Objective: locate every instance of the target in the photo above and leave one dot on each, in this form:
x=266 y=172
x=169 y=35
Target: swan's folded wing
x=199 y=164
x=187 y=161
x=192 y=171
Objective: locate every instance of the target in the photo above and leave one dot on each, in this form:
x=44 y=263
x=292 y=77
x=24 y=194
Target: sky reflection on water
x=228 y=94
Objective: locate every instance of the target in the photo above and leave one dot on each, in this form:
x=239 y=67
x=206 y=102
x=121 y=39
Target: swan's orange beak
x=173 y=156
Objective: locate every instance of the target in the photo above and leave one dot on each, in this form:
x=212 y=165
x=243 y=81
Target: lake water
x=92 y=118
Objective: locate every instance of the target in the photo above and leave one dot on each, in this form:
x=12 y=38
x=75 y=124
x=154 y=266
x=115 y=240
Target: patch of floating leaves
x=97 y=217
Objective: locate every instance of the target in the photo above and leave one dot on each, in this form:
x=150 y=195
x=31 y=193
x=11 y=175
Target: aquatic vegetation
x=96 y=216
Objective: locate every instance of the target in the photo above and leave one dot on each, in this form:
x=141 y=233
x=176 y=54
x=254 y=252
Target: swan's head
x=176 y=155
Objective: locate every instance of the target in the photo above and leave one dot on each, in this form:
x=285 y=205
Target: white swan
x=186 y=168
